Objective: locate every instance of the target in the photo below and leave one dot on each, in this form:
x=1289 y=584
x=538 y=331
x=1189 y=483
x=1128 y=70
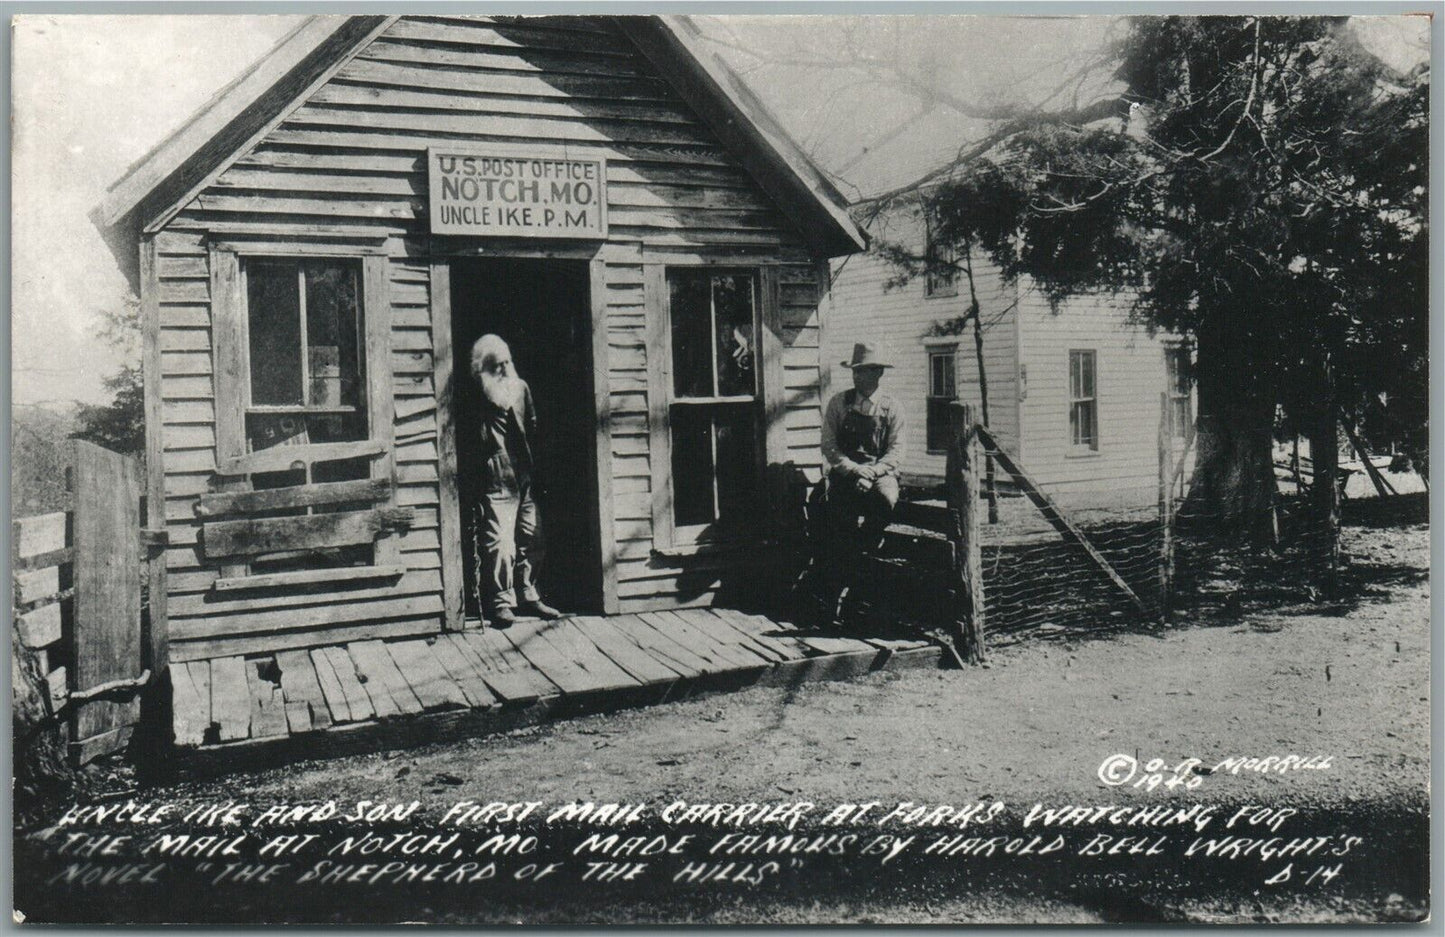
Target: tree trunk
x=1233 y=484
x=1322 y=536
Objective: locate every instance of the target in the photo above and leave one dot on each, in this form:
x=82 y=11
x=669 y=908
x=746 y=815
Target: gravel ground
x=1349 y=681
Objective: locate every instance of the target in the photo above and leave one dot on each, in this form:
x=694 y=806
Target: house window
x=306 y=351
x=713 y=412
x=1083 y=400
x=942 y=391
x=1179 y=379
x=306 y=383
x=942 y=277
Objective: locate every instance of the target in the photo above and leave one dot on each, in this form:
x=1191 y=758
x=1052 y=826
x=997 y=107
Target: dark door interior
x=542 y=309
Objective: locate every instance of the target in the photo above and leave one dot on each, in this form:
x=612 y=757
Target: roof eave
x=744 y=124
x=162 y=176
x=151 y=170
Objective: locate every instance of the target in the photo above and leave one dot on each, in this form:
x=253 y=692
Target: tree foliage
x=1262 y=189
x=120 y=424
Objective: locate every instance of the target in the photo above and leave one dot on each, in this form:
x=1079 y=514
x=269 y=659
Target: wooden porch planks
x=357 y=698
x=481 y=681
x=668 y=652
x=508 y=674
x=834 y=645
x=720 y=631
x=268 y=706
x=770 y=632
x=230 y=698
x=624 y=653
x=332 y=691
x=461 y=669
x=390 y=693
x=191 y=699
x=526 y=638
x=567 y=658
x=720 y=648
x=669 y=637
x=300 y=687
x=433 y=686
x=772 y=650
x=382 y=704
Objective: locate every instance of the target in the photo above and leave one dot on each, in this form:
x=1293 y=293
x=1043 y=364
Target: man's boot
x=540 y=609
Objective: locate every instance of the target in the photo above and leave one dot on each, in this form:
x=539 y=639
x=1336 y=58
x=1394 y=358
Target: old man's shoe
x=540 y=609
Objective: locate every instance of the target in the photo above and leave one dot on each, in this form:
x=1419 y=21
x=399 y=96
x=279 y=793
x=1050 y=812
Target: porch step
x=929 y=515
x=370 y=695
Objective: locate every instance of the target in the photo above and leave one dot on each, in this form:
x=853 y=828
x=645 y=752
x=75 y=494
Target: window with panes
x=306 y=370
x=1083 y=400
x=942 y=391
x=1179 y=381
x=713 y=412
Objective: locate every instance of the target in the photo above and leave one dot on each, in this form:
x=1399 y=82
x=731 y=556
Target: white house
x=1074 y=392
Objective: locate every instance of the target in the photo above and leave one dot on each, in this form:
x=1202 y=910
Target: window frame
x=1173 y=352
x=933 y=353
x=363 y=352
x=231 y=377
x=1094 y=444
x=936 y=286
x=667 y=533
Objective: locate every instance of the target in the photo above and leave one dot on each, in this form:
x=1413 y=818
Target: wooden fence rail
x=41 y=562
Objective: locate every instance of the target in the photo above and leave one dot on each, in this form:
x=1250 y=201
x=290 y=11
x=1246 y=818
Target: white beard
x=503 y=392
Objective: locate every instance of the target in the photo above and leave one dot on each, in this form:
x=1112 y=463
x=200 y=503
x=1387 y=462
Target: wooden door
x=105 y=640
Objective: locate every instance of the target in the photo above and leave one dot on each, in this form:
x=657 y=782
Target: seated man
x=862 y=445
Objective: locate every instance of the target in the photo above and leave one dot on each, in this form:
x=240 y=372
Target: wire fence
x=1039 y=583
x=1064 y=561
x=1059 y=561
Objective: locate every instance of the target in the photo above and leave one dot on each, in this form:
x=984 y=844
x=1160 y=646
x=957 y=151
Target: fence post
x=1166 y=505
x=963 y=492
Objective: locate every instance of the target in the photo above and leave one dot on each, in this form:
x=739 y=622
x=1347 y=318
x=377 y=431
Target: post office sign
x=506 y=191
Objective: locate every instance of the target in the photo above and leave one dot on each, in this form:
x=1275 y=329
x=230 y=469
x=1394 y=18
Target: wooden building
x=317 y=248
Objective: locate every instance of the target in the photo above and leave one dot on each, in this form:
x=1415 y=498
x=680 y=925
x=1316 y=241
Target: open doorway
x=542 y=308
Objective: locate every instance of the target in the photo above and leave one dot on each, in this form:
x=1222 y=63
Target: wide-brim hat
x=868 y=355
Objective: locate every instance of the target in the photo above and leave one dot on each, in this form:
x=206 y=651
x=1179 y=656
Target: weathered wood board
x=105 y=641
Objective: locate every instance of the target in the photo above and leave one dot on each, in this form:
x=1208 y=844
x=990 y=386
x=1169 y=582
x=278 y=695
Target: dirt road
x=1348 y=682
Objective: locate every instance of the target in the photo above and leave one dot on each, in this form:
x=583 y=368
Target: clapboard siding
x=189 y=442
x=1026 y=356
x=1131 y=377
x=863 y=307
x=346 y=170
x=647 y=579
x=627 y=396
x=352 y=154
x=800 y=294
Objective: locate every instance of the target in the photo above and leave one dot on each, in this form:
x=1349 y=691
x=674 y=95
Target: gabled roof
x=252 y=104
x=741 y=120
x=224 y=126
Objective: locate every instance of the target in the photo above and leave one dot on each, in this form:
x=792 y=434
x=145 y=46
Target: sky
x=91 y=94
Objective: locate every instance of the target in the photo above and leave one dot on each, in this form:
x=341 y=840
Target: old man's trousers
x=508 y=550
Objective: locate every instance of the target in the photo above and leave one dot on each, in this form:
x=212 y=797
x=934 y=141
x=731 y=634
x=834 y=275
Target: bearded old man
x=509 y=547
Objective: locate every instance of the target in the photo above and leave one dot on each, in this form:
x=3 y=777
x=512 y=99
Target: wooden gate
x=78 y=600
x=106 y=639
